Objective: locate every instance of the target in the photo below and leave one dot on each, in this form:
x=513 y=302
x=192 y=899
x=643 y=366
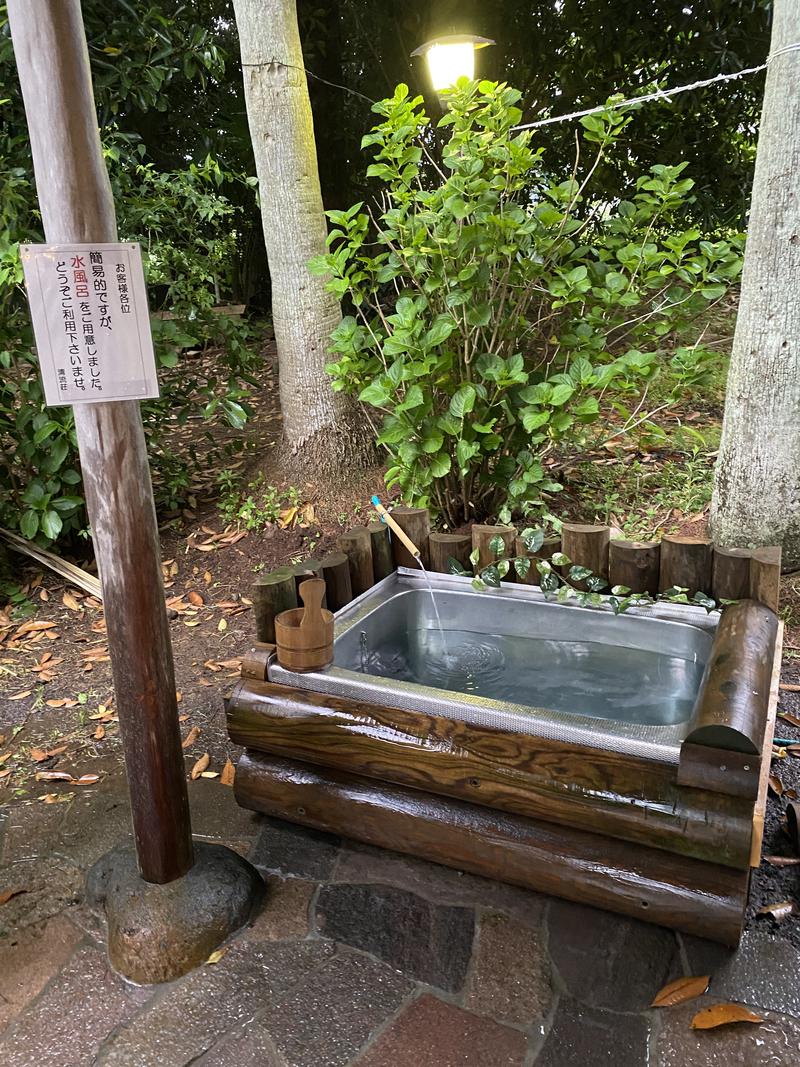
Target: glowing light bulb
x=449 y=62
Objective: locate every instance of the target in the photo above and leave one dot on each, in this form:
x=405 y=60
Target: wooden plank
x=685 y=563
x=635 y=564
x=594 y=789
x=733 y=699
x=759 y=813
x=699 y=898
x=415 y=524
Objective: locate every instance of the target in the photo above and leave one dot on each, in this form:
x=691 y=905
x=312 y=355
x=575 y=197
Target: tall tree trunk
x=324 y=431
x=757 y=482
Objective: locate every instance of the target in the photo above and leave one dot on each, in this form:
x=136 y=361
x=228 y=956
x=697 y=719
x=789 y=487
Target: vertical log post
x=272 y=593
x=357 y=546
x=338 y=587
x=77 y=207
x=730 y=573
x=302 y=572
x=482 y=536
x=635 y=564
x=550 y=545
x=685 y=562
x=765 y=576
x=586 y=546
x=441 y=546
x=416 y=523
x=382 y=562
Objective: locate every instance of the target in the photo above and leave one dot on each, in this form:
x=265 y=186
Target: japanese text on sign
x=91 y=323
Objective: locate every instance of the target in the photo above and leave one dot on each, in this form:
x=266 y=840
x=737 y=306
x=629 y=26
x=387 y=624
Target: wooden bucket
x=304 y=636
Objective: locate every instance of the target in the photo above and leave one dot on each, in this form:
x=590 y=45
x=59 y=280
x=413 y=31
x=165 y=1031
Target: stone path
x=361 y=958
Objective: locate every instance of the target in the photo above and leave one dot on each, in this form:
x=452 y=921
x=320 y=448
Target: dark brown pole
x=77 y=207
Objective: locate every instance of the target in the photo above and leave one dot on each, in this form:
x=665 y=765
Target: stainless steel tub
x=513 y=660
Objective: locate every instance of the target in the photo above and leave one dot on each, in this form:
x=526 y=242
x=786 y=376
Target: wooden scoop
x=304 y=636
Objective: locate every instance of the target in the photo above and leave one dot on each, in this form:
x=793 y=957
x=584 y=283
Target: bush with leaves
x=495 y=305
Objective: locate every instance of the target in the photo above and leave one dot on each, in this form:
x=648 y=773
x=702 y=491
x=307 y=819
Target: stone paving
x=361 y=958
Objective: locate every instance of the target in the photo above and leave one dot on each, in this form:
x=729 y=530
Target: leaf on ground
x=208 y=577
x=681 y=990
x=5 y=756
x=228 y=773
x=69 y=601
x=216 y=956
x=210 y=774
x=196 y=599
x=779 y=911
x=789 y=687
x=178 y=696
x=39 y=755
x=183 y=718
x=100 y=732
x=191 y=737
x=86 y=779
x=53 y=776
x=5 y=773
x=200 y=766
x=22 y=695
x=721 y=1014
x=61 y=702
x=776 y=785
x=783 y=861
x=9 y=894
x=787 y=716
x=222 y=625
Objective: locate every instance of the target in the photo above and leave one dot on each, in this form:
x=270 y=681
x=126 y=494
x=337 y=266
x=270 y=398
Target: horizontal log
x=732 y=702
x=595 y=789
x=719 y=770
x=699 y=898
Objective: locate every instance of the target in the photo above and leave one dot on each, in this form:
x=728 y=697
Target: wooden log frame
x=482 y=536
x=765 y=576
x=703 y=899
x=443 y=546
x=590 y=789
x=356 y=544
x=635 y=564
x=338 y=587
x=730 y=574
x=416 y=524
x=271 y=594
x=733 y=698
x=382 y=561
x=550 y=545
x=685 y=563
x=586 y=546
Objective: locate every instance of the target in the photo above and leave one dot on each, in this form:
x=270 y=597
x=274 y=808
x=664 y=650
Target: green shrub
x=496 y=306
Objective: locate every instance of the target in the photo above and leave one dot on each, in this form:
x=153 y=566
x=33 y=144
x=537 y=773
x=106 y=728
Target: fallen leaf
x=56 y=798
x=787 y=716
x=216 y=956
x=208 y=577
x=200 y=766
x=99 y=733
x=5 y=773
x=39 y=755
x=5 y=756
x=60 y=703
x=783 y=861
x=86 y=779
x=228 y=774
x=222 y=625
x=69 y=601
x=44 y=595
x=720 y=1014
x=776 y=785
x=191 y=737
x=789 y=687
x=182 y=718
x=681 y=990
x=53 y=776
x=9 y=894
x=22 y=695
x=782 y=909
x=196 y=599
x=178 y=696
x=210 y=774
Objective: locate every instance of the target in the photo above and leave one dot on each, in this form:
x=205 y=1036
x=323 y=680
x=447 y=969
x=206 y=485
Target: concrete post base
x=159 y=932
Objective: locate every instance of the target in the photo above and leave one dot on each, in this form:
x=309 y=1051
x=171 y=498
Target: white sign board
x=91 y=322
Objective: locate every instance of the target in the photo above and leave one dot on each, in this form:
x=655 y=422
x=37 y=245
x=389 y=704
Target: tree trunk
x=757 y=481
x=323 y=430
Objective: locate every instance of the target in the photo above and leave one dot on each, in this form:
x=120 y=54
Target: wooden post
x=272 y=593
x=357 y=546
x=765 y=576
x=302 y=572
x=382 y=562
x=586 y=546
x=441 y=546
x=635 y=564
x=336 y=572
x=77 y=207
x=483 y=535
x=550 y=545
x=416 y=522
x=730 y=573
x=685 y=562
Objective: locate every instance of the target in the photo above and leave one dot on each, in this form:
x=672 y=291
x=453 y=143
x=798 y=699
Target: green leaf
x=51 y=524
x=522 y=565
x=454 y=566
x=374 y=394
x=497 y=546
x=595 y=583
x=474 y=556
x=558 y=559
x=548 y=583
x=440 y=465
x=463 y=401
x=578 y=574
x=491 y=576
x=29 y=524
x=533 y=539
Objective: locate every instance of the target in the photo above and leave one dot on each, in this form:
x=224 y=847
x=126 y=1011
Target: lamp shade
x=450 y=58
